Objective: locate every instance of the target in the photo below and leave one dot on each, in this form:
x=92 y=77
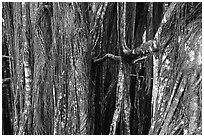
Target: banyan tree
x=101 y=68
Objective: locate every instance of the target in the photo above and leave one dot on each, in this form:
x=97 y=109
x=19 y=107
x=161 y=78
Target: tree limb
x=141 y=52
x=107 y=56
x=150 y=46
x=145 y=48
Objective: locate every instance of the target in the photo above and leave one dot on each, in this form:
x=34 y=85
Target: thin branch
x=4 y=56
x=139 y=59
x=6 y=79
x=107 y=56
x=133 y=75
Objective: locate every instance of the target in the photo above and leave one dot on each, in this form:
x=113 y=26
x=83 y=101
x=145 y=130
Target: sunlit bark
x=27 y=74
x=156 y=93
x=119 y=99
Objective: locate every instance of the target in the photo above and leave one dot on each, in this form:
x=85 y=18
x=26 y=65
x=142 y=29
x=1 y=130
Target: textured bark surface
x=101 y=68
